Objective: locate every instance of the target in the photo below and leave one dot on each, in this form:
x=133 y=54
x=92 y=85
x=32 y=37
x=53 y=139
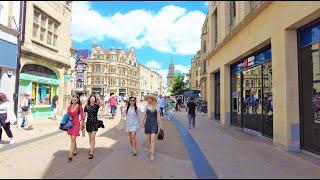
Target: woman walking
x=77 y=117
x=92 y=124
x=131 y=113
x=152 y=122
x=4 y=121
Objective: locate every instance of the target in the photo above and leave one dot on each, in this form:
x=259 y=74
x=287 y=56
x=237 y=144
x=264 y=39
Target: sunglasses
x=132 y=100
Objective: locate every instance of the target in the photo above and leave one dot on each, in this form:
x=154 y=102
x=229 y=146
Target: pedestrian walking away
x=191 y=107
x=4 y=120
x=54 y=106
x=25 y=107
x=152 y=123
x=113 y=104
x=161 y=104
x=77 y=117
x=131 y=113
x=92 y=124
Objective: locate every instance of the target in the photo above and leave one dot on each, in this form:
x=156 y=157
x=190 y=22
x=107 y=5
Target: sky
x=157 y=29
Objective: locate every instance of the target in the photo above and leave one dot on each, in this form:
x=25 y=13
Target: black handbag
x=161 y=134
x=101 y=125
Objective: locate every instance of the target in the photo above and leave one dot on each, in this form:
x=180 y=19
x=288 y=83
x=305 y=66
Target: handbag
x=161 y=134
x=65 y=123
x=101 y=125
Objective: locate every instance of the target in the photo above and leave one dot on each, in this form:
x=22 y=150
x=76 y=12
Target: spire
x=171 y=61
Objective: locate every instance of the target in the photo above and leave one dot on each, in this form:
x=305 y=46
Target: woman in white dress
x=131 y=113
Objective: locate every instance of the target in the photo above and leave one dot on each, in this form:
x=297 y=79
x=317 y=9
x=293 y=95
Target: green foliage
x=178 y=86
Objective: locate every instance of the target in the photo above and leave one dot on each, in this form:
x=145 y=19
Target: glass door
x=267 y=118
x=252 y=103
x=310 y=95
x=236 y=99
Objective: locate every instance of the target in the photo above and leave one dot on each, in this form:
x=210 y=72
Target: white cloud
x=153 y=65
x=182 y=68
x=170 y=30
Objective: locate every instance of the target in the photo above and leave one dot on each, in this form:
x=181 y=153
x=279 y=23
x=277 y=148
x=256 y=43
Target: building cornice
x=241 y=25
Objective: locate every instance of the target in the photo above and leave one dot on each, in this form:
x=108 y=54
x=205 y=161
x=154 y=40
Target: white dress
x=132 y=119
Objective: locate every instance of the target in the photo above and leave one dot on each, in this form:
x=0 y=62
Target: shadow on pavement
x=78 y=168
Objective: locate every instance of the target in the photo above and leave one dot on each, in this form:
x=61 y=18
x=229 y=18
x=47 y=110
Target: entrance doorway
x=217 y=96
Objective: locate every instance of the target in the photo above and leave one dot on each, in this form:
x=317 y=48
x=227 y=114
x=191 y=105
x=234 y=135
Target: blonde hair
x=153 y=103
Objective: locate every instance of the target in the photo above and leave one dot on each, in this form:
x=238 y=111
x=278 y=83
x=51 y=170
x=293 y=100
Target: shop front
x=251 y=93
x=42 y=84
x=309 y=83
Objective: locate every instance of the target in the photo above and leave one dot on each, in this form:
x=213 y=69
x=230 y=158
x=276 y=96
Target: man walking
x=161 y=104
x=191 y=107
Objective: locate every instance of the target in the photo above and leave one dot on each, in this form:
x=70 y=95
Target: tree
x=178 y=86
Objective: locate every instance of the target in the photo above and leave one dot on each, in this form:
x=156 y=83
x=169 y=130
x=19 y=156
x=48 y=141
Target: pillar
x=286 y=126
x=225 y=95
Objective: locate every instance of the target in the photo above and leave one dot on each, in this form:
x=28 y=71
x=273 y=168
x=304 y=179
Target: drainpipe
x=22 y=19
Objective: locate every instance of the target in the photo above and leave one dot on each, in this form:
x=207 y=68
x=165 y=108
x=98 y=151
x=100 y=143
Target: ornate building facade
x=170 y=74
x=113 y=71
x=150 y=82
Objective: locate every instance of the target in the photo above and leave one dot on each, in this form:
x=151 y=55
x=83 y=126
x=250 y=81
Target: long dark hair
x=3 y=98
x=77 y=98
x=95 y=99
x=55 y=98
x=135 y=104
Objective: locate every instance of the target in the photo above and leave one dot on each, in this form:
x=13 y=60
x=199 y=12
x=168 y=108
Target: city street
x=43 y=151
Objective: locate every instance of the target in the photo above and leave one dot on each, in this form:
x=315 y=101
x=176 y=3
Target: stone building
x=46 y=55
x=263 y=70
x=113 y=71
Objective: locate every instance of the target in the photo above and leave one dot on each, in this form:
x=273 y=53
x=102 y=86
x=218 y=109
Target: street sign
x=68 y=77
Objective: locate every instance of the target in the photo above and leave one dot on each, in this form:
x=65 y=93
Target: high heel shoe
x=70 y=159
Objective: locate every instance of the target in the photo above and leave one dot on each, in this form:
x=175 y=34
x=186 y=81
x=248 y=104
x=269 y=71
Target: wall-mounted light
x=9 y=73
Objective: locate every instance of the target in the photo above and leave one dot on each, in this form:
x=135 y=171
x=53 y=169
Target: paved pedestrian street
x=208 y=151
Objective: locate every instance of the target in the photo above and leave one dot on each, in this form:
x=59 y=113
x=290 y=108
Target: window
x=36 y=17
x=48 y=32
x=50 y=25
x=55 y=30
x=232 y=12
x=55 y=37
x=44 y=94
x=42 y=34
x=49 y=38
x=35 y=31
x=215 y=27
x=204 y=46
x=196 y=72
x=43 y=21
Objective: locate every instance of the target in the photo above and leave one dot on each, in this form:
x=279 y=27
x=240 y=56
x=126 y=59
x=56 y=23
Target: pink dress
x=77 y=115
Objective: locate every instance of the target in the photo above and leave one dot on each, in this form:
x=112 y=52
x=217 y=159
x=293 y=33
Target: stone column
x=225 y=95
x=286 y=126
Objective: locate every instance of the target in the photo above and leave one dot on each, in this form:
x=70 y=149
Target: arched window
x=38 y=70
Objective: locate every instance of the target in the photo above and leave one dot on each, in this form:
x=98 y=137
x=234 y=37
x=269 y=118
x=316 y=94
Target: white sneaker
x=152 y=158
x=11 y=141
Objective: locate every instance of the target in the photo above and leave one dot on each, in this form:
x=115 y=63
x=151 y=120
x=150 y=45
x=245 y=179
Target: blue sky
x=156 y=29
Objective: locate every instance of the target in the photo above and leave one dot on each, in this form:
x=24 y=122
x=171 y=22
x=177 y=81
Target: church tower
x=171 y=73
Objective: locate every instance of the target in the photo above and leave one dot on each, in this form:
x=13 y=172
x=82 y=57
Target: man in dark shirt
x=192 y=112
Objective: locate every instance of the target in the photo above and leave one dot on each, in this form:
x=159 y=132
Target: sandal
x=90 y=156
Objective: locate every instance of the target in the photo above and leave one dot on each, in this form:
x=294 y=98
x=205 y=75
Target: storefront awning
x=38 y=79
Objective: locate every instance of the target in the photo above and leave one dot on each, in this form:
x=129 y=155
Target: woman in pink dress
x=76 y=111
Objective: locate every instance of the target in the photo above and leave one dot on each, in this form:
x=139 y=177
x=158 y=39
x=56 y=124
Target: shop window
x=41 y=94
